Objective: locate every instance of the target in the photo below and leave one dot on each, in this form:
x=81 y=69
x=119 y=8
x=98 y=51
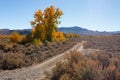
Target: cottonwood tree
x=45 y=23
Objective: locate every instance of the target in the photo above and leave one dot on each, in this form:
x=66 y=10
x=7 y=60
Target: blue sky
x=102 y=15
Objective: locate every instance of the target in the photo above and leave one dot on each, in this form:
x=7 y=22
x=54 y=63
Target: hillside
x=75 y=29
x=82 y=31
x=8 y=31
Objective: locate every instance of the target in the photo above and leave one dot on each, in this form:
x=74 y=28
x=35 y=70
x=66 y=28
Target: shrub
x=117 y=75
x=16 y=38
x=1 y=58
x=77 y=67
x=71 y=35
x=37 y=41
x=32 y=53
x=27 y=39
x=12 y=60
x=58 y=36
x=103 y=58
x=65 y=77
x=96 y=66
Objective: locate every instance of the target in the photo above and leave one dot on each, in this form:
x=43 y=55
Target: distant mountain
x=8 y=32
x=75 y=29
x=4 y=31
x=82 y=31
x=117 y=33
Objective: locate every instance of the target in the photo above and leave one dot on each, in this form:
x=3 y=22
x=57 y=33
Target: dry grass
x=16 y=55
x=96 y=66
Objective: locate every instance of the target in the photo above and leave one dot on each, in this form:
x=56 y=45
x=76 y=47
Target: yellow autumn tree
x=58 y=36
x=15 y=37
x=45 y=23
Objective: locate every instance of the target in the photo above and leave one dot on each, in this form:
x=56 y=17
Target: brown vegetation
x=12 y=61
x=96 y=66
x=16 y=55
x=16 y=38
x=109 y=44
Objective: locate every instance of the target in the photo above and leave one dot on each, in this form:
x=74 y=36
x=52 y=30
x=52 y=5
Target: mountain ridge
x=83 y=31
x=74 y=29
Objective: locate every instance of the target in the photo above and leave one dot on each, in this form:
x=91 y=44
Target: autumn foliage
x=16 y=38
x=72 y=35
x=4 y=36
x=58 y=36
x=44 y=28
x=15 y=55
x=45 y=24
